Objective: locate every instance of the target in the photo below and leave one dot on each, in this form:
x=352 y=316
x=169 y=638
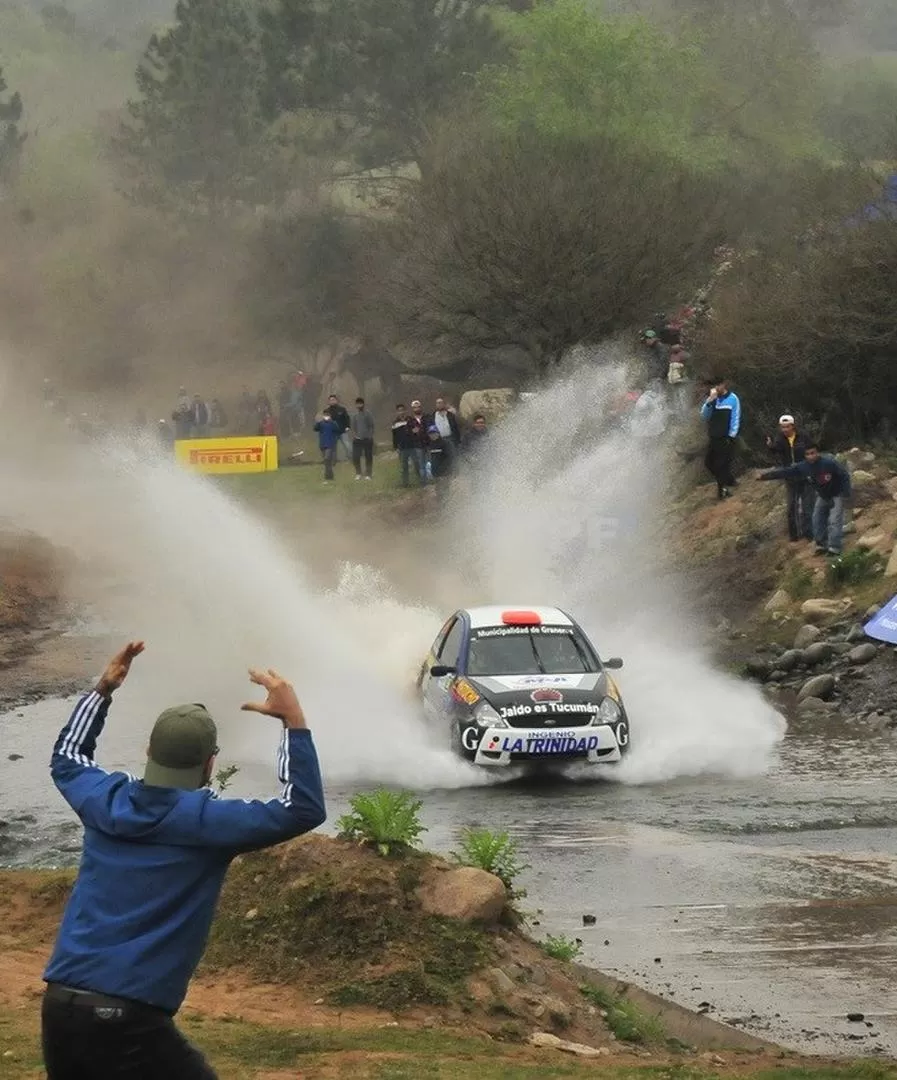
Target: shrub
x=562 y=947
x=387 y=820
x=854 y=567
x=625 y=1019
x=224 y=776
x=494 y=852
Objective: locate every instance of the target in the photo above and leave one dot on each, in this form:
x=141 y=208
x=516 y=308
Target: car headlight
x=608 y=712
x=487 y=717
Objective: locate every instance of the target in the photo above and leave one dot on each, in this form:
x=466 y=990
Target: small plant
x=854 y=567
x=625 y=1019
x=224 y=776
x=494 y=852
x=797 y=581
x=387 y=820
x=562 y=948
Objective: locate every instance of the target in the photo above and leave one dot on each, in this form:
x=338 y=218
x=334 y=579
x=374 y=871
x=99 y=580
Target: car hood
x=543 y=699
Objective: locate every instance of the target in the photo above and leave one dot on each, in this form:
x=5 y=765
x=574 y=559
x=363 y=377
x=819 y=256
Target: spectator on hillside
x=678 y=381
x=217 y=415
x=831 y=482
x=789 y=446
x=182 y=415
x=264 y=415
x=446 y=422
x=721 y=412
x=340 y=414
x=199 y=418
x=284 y=409
x=328 y=437
x=362 y=428
x=247 y=413
x=475 y=443
x=658 y=355
x=439 y=456
x=165 y=434
x=298 y=384
x=407 y=441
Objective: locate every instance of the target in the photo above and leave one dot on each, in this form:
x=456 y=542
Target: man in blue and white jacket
x=154 y=859
x=721 y=412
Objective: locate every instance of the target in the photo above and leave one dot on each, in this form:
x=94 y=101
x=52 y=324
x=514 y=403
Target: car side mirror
x=614 y=664
x=439 y=670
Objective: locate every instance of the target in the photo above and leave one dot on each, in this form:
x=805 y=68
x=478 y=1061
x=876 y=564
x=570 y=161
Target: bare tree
x=539 y=244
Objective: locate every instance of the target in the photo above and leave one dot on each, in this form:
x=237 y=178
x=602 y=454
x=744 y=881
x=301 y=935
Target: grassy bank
x=247 y=1051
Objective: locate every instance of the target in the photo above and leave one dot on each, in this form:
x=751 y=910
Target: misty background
x=213 y=193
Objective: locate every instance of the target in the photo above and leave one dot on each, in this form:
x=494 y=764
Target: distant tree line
x=451 y=181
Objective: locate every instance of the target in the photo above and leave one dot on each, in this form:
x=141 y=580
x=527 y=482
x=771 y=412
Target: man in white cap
x=789 y=447
x=153 y=862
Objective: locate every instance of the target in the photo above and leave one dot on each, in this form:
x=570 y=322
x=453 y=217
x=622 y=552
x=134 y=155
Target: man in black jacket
x=789 y=447
x=408 y=437
x=340 y=414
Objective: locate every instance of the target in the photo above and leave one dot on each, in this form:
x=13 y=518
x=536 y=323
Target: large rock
x=546 y=1041
x=863 y=654
x=861 y=478
x=789 y=660
x=813 y=705
x=821 y=609
x=818 y=653
x=806 y=636
x=779 y=601
x=822 y=687
x=871 y=541
x=891 y=485
x=465 y=893
x=493 y=404
x=891 y=568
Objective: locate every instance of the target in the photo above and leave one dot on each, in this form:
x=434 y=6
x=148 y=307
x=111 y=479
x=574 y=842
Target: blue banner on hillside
x=883 y=626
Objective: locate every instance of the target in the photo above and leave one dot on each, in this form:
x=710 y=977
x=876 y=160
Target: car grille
x=551 y=723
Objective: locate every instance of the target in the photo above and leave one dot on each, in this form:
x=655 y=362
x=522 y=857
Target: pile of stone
x=833 y=670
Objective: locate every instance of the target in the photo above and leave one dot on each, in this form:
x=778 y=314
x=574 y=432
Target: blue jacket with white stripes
x=154 y=860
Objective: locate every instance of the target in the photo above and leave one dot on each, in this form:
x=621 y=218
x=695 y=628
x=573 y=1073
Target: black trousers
x=363 y=448
x=93 y=1037
x=719 y=461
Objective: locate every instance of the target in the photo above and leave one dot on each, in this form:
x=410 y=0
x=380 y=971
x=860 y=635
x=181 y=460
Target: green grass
x=290 y=482
x=625 y=1019
x=245 y=1051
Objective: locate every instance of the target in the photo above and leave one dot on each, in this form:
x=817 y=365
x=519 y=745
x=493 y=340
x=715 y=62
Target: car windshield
x=539 y=650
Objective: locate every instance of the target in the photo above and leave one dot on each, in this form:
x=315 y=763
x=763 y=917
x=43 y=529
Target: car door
x=437 y=691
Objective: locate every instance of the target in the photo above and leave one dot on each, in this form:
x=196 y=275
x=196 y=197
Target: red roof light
x=520 y=618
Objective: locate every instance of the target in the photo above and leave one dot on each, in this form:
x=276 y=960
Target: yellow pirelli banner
x=252 y=454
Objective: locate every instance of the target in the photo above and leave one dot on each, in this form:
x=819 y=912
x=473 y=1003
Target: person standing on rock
x=721 y=412
x=154 y=858
x=790 y=446
x=831 y=483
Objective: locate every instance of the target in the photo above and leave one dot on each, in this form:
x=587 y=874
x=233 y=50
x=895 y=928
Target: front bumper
x=508 y=746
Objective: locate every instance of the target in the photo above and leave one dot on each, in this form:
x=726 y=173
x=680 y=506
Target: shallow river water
x=772 y=899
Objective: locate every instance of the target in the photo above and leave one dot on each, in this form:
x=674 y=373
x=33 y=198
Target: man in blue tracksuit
x=721 y=412
x=831 y=482
x=154 y=858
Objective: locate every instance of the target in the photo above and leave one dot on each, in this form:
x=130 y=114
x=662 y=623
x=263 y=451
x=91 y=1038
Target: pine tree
x=196 y=135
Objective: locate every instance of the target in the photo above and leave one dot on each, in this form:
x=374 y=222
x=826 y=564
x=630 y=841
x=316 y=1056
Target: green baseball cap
x=181 y=743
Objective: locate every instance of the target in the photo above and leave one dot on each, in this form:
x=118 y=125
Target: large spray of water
x=564 y=515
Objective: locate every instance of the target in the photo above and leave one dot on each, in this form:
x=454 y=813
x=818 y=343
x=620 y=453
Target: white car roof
x=492 y=616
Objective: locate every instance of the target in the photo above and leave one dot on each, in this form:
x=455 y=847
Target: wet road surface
x=772 y=902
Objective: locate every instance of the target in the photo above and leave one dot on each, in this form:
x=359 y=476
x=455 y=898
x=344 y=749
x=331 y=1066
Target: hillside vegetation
x=474 y=188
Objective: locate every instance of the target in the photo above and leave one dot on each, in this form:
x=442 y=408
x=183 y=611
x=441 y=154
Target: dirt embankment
x=324 y=948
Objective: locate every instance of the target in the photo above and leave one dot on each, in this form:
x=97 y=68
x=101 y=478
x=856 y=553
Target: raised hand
x=281 y=701
x=118 y=667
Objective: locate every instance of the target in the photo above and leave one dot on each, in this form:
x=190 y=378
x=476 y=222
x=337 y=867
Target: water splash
x=570 y=516
x=212 y=590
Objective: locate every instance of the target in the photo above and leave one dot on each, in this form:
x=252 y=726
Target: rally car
x=523 y=685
